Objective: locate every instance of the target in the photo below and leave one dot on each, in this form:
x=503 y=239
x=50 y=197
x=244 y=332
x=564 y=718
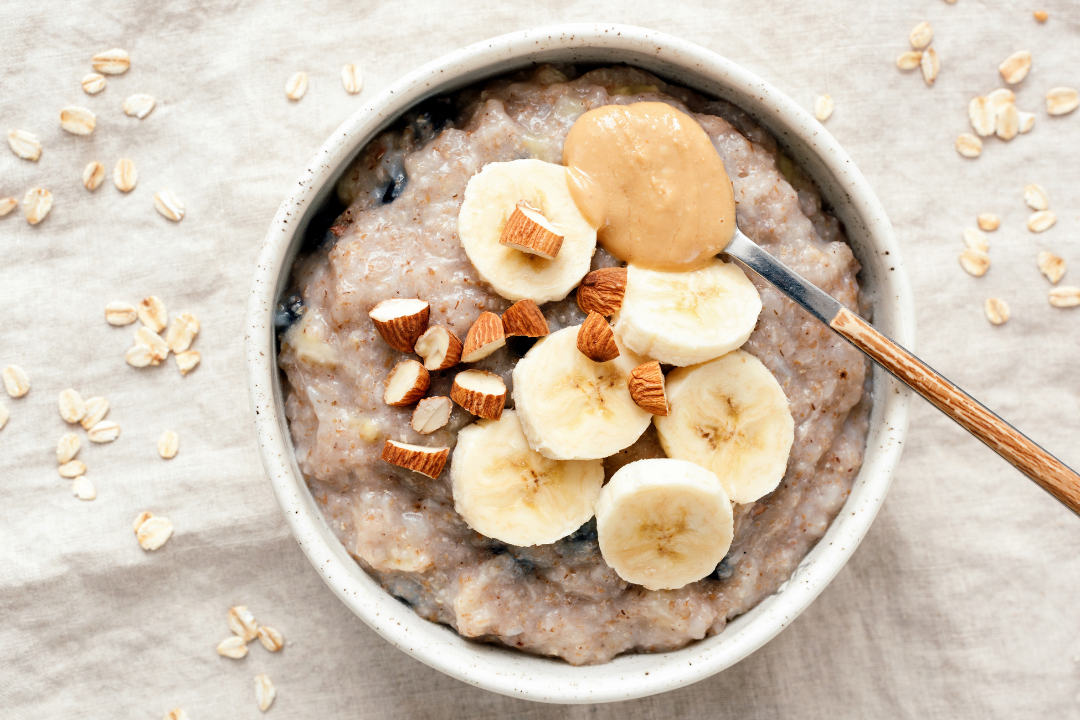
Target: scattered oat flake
x=182 y=332
x=909 y=60
x=154 y=532
x=96 y=410
x=7 y=205
x=1008 y=122
x=1062 y=100
x=78 y=120
x=988 y=222
x=143 y=517
x=168 y=444
x=120 y=313
x=169 y=205
x=176 y=714
x=232 y=647
x=242 y=622
x=139 y=105
x=265 y=692
x=105 y=431
x=930 y=65
x=823 y=107
x=296 y=86
x=1000 y=98
x=4 y=415
x=36 y=204
x=1027 y=121
x=154 y=343
x=152 y=313
x=1041 y=220
x=83 y=488
x=1035 y=197
x=93 y=83
x=1015 y=68
x=997 y=310
x=124 y=175
x=16 y=381
x=93 y=175
x=921 y=35
x=1065 y=296
x=270 y=638
x=24 y=144
x=72 y=469
x=1041 y=15
x=67 y=447
x=138 y=356
x=1052 y=266
x=976 y=240
x=969 y=145
x=975 y=262
x=352 y=78
x=982 y=115
x=187 y=361
x=72 y=407
x=112 y=62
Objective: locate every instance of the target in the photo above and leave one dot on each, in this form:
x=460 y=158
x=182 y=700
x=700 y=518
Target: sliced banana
x=491 y=198
x=684 y=318
x=663 y=523
x=732 y=417
x=506 y=490
x=572 y=408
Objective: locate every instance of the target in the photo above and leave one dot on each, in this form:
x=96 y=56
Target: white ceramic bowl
x=499 y=669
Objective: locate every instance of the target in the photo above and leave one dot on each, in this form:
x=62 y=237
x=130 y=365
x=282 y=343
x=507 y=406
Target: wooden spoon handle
x=1053 y=475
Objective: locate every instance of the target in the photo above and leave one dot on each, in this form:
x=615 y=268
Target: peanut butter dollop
x=648 y=177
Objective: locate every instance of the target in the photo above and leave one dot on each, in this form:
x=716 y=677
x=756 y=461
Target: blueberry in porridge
x=531 y=398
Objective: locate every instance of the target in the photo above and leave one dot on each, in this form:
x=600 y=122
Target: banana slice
x=663 y=523
x=506 y=490
x=573 y=408
x=732 y=417
x=684 y=318
x=491 y=198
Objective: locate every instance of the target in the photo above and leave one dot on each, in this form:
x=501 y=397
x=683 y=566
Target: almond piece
x=431 y=414
x=424 y=460
x=1051 y=265
x=485 y=337
x=602 y=291
x=596 y=340
x=646 y=386
x=401 y=321
x=530 y=232
x=524 y=319
x=1015 y=68
x=439 y=347
x=481 y=393
x=406 y=383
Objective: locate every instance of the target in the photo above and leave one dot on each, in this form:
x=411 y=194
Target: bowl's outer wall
x=883 y=278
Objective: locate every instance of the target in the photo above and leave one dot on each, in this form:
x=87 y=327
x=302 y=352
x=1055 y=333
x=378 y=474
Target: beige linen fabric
x=961 y=602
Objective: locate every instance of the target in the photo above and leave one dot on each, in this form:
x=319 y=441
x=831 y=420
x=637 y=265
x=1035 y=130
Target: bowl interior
x=844 y=190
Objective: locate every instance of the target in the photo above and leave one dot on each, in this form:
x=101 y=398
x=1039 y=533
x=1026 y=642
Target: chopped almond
x=596 y=340
x=401 y=321
x=601 y=291
x=646 y=386
x=431 y=414
x=406 y=383
x=481 y=393
x=524 y=318
x=439 y=347
x=530 y=232
x=428 y=461
x=485 y=337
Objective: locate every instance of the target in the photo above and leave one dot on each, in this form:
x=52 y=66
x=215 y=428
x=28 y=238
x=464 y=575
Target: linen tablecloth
x=960 y=603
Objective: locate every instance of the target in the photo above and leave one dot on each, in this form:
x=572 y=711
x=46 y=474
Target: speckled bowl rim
x=629 y=676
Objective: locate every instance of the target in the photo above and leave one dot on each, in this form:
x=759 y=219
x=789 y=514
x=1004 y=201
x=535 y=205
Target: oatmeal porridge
x=434 y=355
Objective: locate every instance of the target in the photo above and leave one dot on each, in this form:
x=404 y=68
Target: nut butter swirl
x=649 y=179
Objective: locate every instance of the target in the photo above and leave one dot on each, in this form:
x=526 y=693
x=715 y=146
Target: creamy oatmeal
x=398 y=238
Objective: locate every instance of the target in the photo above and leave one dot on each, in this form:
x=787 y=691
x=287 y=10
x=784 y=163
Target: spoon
x=1047 y=471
